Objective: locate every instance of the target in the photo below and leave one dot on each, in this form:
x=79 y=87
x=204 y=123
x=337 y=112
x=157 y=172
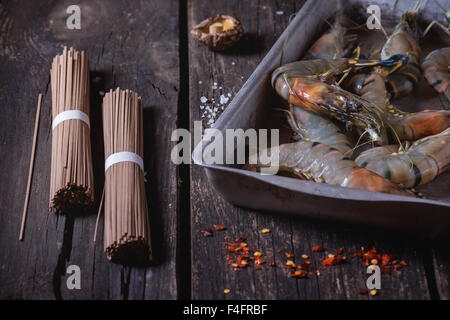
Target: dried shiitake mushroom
x=219 y=32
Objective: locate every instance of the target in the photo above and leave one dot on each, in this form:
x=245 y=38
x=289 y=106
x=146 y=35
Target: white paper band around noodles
x=124 y=157
x=70 y=115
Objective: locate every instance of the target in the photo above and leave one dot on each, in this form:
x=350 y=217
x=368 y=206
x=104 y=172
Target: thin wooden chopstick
x=100 y=207
x=30 y=171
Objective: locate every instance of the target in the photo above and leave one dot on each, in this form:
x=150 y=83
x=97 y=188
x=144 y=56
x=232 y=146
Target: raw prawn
x=333 y=44
x=420 y=163
x=322 y=163
x=436 y=69
x=302 y=83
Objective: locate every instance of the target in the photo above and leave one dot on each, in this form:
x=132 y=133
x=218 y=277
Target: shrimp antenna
x=441 y=7
x=396 y=136
x=357 y=145
x=289 y=27
x=381 y=26
x=446 y=29
x=395 y=5
x=418 y=6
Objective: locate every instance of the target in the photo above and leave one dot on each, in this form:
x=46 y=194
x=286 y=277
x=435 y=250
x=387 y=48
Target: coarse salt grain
x=203 y=99
x=223 y=99
x=279 y=13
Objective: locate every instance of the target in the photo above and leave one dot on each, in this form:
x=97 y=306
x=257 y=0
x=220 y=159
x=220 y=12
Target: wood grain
x=131 y=45
x=144 y=46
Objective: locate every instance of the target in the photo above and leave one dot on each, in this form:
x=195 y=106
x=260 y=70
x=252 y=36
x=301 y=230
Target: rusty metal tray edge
x=432 y=215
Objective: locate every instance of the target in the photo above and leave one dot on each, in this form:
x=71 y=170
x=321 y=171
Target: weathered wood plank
x=441 y=269
x=210 y=272
x=131 y=45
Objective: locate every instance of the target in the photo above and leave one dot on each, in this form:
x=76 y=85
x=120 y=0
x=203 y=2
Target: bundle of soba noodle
x=71 y=179
x=127 y=230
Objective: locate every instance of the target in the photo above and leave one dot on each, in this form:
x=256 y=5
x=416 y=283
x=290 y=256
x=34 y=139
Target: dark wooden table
x=144 y=46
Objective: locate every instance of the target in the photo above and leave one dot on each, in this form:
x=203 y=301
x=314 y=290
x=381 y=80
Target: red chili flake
x=290 y=255
x=219 y=227
x=403 y=263
x=298 y=274
x=242 y=260
x=206 y=232
x=397 y=267
x=273 y=265
x=278 y=251
x=318 y=249
x=339 y=251
x=332 y=260
x=258 y=260
x=385 y=259
x=231 y=249
x=258 y=268
x=240 y=239
x=363 y=291
x=290 y=264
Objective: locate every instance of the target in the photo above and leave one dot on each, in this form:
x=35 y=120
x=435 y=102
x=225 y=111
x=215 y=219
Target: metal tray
x=253 y=108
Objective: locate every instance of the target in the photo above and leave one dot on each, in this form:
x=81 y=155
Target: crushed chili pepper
x=385 y=259
x=265 y=230
x=240 y=255
x=298 y=274
x=219 y=227
x=290 y=264
x=206 y=232
x=332 y=260
x=318 y=249
x=257 y=254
